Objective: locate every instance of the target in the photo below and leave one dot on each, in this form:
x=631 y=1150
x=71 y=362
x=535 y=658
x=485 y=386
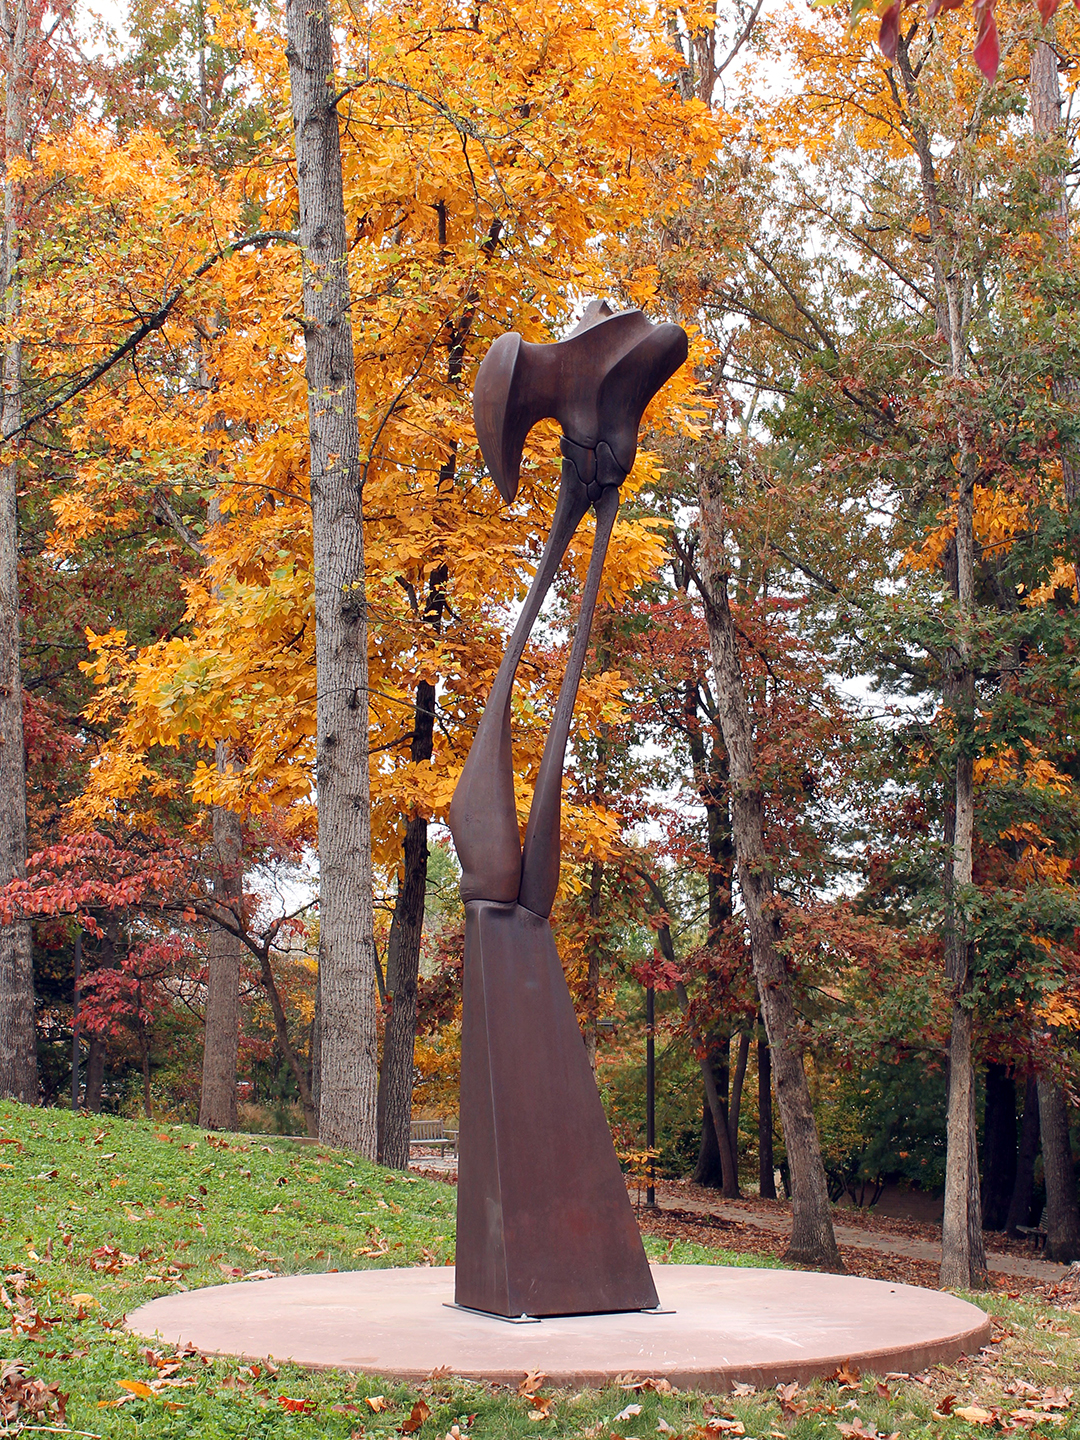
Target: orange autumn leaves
x=492 y=170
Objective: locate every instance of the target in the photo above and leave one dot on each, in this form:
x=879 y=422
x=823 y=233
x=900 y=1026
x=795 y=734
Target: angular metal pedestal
x=545 y=1226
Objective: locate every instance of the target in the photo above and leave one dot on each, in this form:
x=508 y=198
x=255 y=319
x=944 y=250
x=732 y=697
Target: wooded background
x=255 y=583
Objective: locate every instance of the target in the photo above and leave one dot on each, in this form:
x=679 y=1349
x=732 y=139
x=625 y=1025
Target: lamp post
x=650 y=1092
x=75 y=1023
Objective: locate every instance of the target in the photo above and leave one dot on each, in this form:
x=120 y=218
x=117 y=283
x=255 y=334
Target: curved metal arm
x=483 y=812
x=543 y=837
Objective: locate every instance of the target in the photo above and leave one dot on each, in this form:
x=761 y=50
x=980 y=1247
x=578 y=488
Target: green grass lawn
x=99 y=1215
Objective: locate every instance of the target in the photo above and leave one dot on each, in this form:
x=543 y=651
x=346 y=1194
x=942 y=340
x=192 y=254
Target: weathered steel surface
x=544 y=1223
x=541 y=1199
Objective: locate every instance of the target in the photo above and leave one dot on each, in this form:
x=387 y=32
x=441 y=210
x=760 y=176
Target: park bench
x=1035 y=1233
x=432 y=1134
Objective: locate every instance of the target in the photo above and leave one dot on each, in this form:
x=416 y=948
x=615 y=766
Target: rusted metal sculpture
x=544 y=1223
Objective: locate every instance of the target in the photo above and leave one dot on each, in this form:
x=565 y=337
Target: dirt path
x=776 y=1220
x=875 y=1246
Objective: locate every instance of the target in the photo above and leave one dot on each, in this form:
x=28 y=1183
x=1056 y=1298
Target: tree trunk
x=592 y=974
x=1062 y=1213
x=1024 y=1184
x=1063 y=1225
x=348 y=1047
x=95 y=1075
x=403 y=964
x=716 y=1164
x=144 y=1045
x=813 y=1241
x=708 y=1171
x=221 y=1043
x=735 y=1103
x=963 y=1255
x=999 y=1146
x=963 y=1261
x=18 y=1047
x=286 y=1049
x=766 y=1167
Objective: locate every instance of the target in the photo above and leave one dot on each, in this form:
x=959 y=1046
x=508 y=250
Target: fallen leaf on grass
x=234 y=1271
x=788 y=1396
x=532 y=1382
x=739 y=1388
x=847 y=1377
x=376 y=1402
x=720 y=1425
x=541 y=1407
x=628 y=1413
x=21 y=1394
x=296 y=1406
x=644 y=1382
x=441 y=1372
x=137 y=1387
x=419 y=1413
x=856 y=1430
x=975 y=1415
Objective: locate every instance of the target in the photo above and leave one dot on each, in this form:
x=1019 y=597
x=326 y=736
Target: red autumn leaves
x=987 y=51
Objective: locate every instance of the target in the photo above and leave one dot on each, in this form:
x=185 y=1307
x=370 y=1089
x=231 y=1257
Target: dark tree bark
x=144 y=1050
x=18 y=1045
x=286 y=1048
x=999 y=1146
x=95 y=1075
x=593 y=952
x=766 y=1167
x=711 y=1169
x=221 y=1041
x=708 y=1171
x=695 y=718
x=348 y=1046
x=737 y=1082
x=403 y=964
x=713 y=1098
x=1024 y=1184
x=813 y=1241
x=1062 y=1212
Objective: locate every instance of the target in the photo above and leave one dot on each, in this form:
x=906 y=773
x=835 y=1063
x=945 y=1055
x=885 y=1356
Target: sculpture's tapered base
x=544 y=1225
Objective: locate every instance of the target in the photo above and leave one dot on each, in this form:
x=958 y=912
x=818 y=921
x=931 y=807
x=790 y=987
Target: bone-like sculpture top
x=596 y=383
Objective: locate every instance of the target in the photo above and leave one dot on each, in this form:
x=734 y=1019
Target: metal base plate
x=539 y=1319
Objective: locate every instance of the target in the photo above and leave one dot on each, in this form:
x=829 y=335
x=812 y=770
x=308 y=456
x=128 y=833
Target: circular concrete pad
x=726 y=1324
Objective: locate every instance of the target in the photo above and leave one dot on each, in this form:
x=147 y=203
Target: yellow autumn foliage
x=495 y=162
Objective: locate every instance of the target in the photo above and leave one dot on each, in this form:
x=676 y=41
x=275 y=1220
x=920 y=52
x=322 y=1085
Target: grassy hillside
x=97 y=1217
